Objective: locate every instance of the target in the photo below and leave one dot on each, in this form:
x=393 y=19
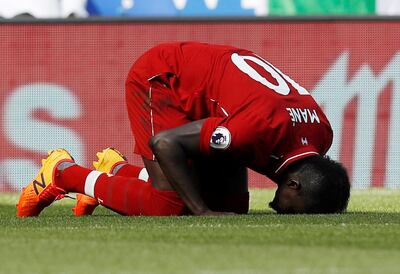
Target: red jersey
x=254 y=112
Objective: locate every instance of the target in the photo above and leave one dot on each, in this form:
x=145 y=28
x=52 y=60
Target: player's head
x=312 y=185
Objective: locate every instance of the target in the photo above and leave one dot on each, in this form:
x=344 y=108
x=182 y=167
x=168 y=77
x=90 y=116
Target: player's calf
x=109 y=160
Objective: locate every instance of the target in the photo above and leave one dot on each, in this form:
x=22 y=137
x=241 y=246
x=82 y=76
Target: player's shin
x=131 y=196
x=73 y=178
x=124 y=195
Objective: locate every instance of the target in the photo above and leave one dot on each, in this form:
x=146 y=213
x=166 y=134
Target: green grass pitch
x=364 y=240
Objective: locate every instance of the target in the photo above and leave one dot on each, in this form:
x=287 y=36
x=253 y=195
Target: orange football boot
x=108 y=159
x=85 y=205
x=42 y=191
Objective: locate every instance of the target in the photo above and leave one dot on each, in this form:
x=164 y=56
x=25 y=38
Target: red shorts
x=152 y=107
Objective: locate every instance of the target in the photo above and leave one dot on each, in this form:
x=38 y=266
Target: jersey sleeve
x=243 y=136
x=209 y=125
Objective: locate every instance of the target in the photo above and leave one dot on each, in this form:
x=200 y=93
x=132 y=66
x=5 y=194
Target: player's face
x=287 y=200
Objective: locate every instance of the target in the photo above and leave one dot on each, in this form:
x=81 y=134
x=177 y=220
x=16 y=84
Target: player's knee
x=160 y=142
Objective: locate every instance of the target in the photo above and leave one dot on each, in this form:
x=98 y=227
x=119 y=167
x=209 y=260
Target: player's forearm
x=173 y=160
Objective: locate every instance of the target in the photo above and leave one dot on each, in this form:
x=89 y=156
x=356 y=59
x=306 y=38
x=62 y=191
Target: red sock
x=72 y=179
x=131 y=196
x=128 y=170
x=125 y=195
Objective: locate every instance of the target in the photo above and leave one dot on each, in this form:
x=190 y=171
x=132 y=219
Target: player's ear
x=293 y=184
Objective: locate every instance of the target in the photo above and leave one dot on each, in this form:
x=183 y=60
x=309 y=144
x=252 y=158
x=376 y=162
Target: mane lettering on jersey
x=303 y=115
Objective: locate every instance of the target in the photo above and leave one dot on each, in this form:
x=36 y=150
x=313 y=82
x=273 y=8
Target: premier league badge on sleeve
x=221 y=138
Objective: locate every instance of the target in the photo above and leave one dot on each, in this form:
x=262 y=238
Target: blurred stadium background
x=64 y=63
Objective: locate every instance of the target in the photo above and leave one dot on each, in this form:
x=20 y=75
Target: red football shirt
x=255 y=113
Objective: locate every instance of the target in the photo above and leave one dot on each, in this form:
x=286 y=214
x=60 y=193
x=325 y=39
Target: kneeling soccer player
x=224 y=105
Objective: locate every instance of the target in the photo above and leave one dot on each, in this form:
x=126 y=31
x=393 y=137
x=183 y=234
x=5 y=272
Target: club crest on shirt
x=221 y=138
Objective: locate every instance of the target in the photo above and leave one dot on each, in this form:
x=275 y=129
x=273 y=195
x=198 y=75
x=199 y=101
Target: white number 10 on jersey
x=281 y=78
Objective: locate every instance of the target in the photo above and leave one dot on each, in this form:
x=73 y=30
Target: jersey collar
x=294 y=156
